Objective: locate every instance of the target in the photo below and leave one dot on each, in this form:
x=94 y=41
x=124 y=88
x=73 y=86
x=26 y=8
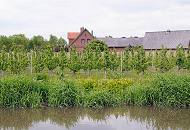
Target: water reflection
x=95 y=119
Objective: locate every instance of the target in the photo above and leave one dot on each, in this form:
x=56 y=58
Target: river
x=121 y=118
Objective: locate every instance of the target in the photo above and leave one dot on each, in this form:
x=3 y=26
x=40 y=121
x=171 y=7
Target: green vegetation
x=59 y=78
x=39 y=90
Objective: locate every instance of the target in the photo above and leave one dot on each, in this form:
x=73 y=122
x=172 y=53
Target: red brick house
x=79 y=40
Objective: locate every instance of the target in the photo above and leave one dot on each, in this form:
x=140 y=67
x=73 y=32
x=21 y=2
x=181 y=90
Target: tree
x=51 y=61
x=24 y=60
x=106 y=62
x=38 y=61
x=156 y=59
x=114 y=60
x=150 y=59
x=53 y=40
x=97 y=45
x=36 y=42
x=140 y=62
x=19 y=41
x=63 y=60
x=74 y=63
x=3 y=61
x=172 y=60
x=127 y=60
x=14 y=63
x=61 y=42
x=88 y=60
x=188 y=60
x=5 y=43
x=180 y=57
x=163 y=64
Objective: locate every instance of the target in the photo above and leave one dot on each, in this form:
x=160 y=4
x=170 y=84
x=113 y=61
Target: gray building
x=151 y=40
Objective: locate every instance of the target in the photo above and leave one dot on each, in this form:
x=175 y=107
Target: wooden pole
x=31 y=62
x=121 y=62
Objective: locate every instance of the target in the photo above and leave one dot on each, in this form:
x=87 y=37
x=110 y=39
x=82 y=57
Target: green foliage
x=188 y=61
x=156 y=60
x=160 y=90
x=149 y=58
x=171 y=90
x=74 y=62
x=127 y=60
x=172 y=60
x=20 y=92
x=140 y=62
x=97 y=45
x=17 y=62
x=63 y=60
x=88 y=60
x=36 y=43
x=38 y=61
x=180 y=57
x=4 y=61
x=114 y=60
x=63 y=94
x=51 y=61
x=20 y=42
x=163 y=63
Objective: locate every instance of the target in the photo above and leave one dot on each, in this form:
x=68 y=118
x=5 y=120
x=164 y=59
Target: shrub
x=171 y=90
x=63 y=94
x=21 y=92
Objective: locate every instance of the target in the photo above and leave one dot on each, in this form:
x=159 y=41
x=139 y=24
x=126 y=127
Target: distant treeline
x=21 y=42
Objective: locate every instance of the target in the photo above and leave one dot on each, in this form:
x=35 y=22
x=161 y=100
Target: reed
x=36 y=91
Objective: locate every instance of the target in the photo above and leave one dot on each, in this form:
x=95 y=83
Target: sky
x=117 y=18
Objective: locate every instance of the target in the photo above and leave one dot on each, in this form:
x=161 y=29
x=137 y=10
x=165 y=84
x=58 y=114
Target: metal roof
x=168 y=39
x=122 y=42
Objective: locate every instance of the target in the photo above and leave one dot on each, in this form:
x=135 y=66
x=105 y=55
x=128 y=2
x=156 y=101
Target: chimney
x=92 y=33
x=81 y=29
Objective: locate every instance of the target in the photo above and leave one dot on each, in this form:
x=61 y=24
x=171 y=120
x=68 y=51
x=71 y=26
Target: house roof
x=122 y=42
x=79 y=36
x=168 y=39
x=72 y=35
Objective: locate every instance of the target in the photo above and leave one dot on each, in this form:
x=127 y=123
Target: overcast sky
x=105 y=17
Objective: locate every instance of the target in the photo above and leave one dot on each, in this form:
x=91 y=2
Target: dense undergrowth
x=37 y=91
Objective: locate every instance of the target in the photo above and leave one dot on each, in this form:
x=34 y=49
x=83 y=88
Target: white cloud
x=109 y=17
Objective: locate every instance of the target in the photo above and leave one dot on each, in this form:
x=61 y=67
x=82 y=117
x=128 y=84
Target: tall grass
x=154 y=90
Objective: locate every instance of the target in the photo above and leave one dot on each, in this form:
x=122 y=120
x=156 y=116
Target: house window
x=88 y=40
x=82 y=41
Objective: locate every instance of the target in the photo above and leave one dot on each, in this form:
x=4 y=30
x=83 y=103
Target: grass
x=127 y=89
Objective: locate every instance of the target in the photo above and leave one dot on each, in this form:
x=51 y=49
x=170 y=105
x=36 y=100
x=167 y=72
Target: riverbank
x=40 y=90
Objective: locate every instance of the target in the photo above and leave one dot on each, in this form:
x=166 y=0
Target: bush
x=171 y=90
x=63 y=94
x=102 y=93
x=20 y=92
x=159 y=90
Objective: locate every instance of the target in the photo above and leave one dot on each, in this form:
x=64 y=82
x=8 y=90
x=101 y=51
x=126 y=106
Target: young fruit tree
x=51 y=61
x=74 y=62
x=127 y=60
x=180 y=57
x=114 y=61
x=63 y=60
x=38 y=61
x=3 y=61
x=140 y=62
x=163 y=62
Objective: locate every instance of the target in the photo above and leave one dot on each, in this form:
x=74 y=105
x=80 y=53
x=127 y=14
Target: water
x=123 y=118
